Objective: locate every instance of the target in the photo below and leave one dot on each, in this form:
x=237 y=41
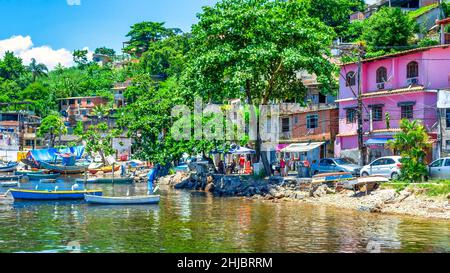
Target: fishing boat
x=38 y=176
x=107 y=180
x=22 y=194
x=9 y=184
x=63 y=169
x=106 y=169
x=9 y=167
x=28 y=172
x=127 y=200
x=10 y=177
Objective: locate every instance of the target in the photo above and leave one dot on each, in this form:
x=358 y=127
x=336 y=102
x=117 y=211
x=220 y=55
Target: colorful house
x=394 y=86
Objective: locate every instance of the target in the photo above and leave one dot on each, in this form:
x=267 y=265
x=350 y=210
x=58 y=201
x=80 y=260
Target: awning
x=302 y=147
x=241 y=151
x=378 y=141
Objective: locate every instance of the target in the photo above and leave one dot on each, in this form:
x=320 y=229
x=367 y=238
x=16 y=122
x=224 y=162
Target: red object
x=399 y=165
x=123 y=157
x=242 y=161
x=306 y=163
x=282 y=163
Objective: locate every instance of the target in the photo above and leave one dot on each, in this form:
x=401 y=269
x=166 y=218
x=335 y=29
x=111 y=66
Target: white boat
x=122 y=200
x=9 y=184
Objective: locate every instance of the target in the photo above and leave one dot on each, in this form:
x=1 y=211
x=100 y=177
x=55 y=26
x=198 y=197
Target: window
x=389 y=161
x=295 y=119
x=312 y=121
x=437 y=163
x=412 y=70
x=350 y=79
x=285 y=125
x=88 y=101
x=447 y=145
x=407 y=111
x=377 y=113
x=381 y=75
x=79 y=101
x=447 y=163
x=447 y=117
x=377 y=162
x=350 y=115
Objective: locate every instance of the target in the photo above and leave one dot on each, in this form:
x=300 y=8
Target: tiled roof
x=401 y=53
x=316 y=137
x=394 y=91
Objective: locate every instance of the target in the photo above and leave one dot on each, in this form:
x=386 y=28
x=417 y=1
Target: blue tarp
x=52 y=154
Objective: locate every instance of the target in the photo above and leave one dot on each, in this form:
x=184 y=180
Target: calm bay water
x=196 y=222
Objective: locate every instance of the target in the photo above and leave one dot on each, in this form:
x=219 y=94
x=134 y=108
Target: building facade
x=76 y=109
x=395 y=86
x=18 y=131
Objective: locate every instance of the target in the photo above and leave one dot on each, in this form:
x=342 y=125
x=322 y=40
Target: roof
x=401 y=53
x=418 y=88
x=86 y=97
x=302 y=147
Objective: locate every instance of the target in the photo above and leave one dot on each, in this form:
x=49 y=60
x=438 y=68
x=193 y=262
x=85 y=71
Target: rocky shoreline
x=406 y=202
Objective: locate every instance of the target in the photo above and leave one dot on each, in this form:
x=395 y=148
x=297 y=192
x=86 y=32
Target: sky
x=49 y=30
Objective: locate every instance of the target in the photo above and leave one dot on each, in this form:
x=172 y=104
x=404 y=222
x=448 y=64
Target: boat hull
x=118 y=180
x=10 y=168
x=43 y=176
x=52 y=195
x=9 y=184
x=28 y=172
x=132 y=200
x=62 y=169
x=107 y=169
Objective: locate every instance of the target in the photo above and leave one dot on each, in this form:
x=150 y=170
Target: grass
x=432 y=188
x=418 y=12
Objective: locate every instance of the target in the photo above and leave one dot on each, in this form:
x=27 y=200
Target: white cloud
x=73 y=2
x=24 y=48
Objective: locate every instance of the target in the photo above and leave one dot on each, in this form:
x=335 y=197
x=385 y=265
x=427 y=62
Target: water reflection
x=199 y=222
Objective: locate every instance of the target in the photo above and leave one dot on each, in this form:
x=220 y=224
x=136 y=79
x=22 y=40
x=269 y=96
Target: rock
x=320 y=191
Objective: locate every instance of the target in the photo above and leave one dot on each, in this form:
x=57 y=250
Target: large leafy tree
x=142 y=34
x=80 y=57
x=52 y=126
x=37 y=70
x=387 y=29
x=98 y=139
x=253 y=50
x=105 y=51
x=412 y=143
x=11 y=67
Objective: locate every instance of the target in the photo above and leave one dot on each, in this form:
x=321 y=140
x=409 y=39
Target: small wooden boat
x=63 y=169
x=10 y=177
x=21 y=194
x=38 y=176
x=106 y=169
x=9 y=167
x=106 y=180
x=127 y=200
x=367 y=183
x=331 y=177
x=47 y=181
x=9 y=184
x=28 y=172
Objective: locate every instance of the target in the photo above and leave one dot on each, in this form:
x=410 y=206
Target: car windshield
x=343 y=161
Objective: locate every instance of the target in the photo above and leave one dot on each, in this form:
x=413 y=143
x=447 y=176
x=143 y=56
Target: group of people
x=284 y=165
x=239 y=164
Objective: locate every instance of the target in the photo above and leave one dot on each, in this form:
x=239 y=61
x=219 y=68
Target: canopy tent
x=377 y=141
x=302 y=147
x=241 y=151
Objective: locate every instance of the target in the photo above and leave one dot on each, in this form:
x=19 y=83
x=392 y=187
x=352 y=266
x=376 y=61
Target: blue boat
x=9 y=167
x=38 y=176
x=21 y=194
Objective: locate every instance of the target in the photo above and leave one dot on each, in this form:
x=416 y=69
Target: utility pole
x=361 y=147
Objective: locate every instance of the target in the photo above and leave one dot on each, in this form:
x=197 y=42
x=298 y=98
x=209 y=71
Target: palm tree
x=37 y=70
x=100 y=111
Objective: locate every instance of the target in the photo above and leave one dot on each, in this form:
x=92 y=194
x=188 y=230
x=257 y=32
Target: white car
x=388 y=166
x=440 y=168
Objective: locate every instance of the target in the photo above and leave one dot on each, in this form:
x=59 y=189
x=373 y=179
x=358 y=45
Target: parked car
x=388 y=166
x=440 y=168
x=335 y=165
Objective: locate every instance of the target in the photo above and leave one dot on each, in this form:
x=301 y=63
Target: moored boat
x=63 y=169
x=10 y=177
x=106 y=169
x=38 y=176
x=9 y=184
x=47 y=181
x=127 y=200
x=9 y=167
x=107 y=180
x=22 y=194
x=28 y=172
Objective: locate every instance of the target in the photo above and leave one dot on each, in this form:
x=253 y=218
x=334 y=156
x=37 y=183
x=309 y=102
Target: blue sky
x=56 y=27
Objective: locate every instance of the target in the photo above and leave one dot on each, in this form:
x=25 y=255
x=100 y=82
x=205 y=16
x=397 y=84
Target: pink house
x=399 y=85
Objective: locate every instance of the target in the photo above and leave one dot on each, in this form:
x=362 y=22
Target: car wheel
x=394 y=176
x=364 y=174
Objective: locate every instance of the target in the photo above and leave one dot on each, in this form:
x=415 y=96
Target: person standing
x=241 y=164
x=282 y=166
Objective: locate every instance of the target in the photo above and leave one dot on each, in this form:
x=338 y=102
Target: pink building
x=400 y=85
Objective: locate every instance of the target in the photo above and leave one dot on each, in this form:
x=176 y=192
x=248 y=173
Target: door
x=445 y=172
x=436 y=168
x=375 y=166
x=387 y=167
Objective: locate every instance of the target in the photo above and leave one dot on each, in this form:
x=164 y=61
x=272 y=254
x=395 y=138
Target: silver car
x=334 y=165
x=440 y=168
x=388 y=166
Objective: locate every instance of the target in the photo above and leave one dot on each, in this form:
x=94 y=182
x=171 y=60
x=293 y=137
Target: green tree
x=98 y=139
x=11 y=67
x=43 y=100
x=142 y=34
x=78 y=130
x=412 y=143
x=388 y=28
x=52 y=126
x=254 y=49
x=80 y=57
x=105 y=51
x=37 y=69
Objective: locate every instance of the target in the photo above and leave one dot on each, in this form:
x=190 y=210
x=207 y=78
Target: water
x=197 y=222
